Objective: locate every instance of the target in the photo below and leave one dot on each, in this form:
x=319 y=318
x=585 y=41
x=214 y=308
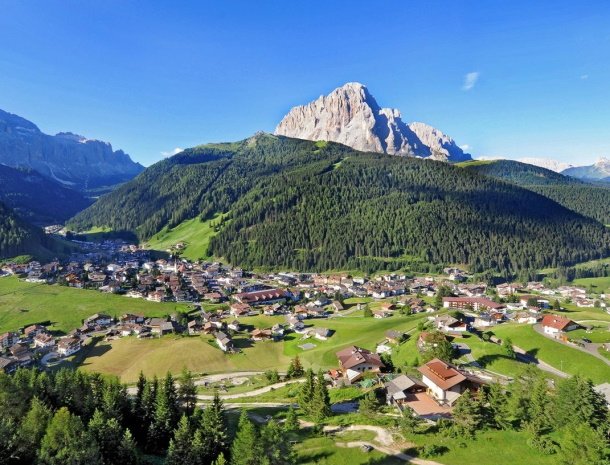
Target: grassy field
x=489 y=448
x=24 y=303
x=597 y=285
x=195 y=234
x=570 y=360
x=127 y=356
x=323 y=451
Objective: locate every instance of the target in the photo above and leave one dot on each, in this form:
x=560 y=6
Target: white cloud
x=584 y=76
x=172 y=152
x=465 y=147
x=470 y=79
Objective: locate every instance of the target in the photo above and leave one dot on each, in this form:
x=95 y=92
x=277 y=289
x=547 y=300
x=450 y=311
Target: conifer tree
x=187 y=392
x=245 y=449
x=467 y=414
x=306 y=392
x=32 y=430
x=320 y=404
x=276 y=449
x=181 y=450
x=291 y=425
x=214 y=428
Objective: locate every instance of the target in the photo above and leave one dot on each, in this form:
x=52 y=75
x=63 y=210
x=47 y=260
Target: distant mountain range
x=351 y=116
x=67 y=158
x=599 y=171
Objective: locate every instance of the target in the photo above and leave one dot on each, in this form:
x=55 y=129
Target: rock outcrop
x=68 y=158
x=599 y=171
x=350 y=115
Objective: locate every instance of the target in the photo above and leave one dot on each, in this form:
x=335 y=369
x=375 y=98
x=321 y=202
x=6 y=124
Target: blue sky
x=512 y=79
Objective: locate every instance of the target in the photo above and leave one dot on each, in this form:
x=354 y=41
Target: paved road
x=589 y=348
x=523 y=356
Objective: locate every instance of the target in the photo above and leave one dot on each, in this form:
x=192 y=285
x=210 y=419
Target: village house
x=427 y=340
x=234 y=325
x=475 y=303
x=264 y=297
x=99 y=319
x=68 y=346
x=321 y=334
x=33 y=330
x=160 y=326
x=44 y=341
x=8 y=339
x=449 y=324
x=380 y=314
x=402 y=389
x=295 y=324
x=556 y=326
x=129 y=318
x=261 y=334
x=238 y=309
x=394 y=337
x=194 y=327
x=355 y=361
x=446 y=383
x=224 y=341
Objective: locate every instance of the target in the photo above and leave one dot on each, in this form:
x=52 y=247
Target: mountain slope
x=20 y=238
x=350 y=115
x=599 y=171
x=319 y=206
x=549 y=164
x=37 y=199
x=68 y=158
x=589 y=200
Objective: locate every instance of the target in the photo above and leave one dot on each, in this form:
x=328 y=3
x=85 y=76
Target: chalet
x=239 y=309
x=448 y=324
x=524 y=300
x=99 y=319
x=261 y=334
x=355 y=361
x=33 y=330
x=301 y=312
x=475 y=303
x=214 y=297
x=44 y=341
x=320 y=333
x=555 y=325
x=277 y=331
x=394 y=337
x=316 y=312
x=160 y=326
x=264 y=297
x=486 y=320
x=129 y=318
x=379 y=314
x=224 y=341
x=194 y=327
x=295 y=324
x=445 y=382
x=7 y=365
x=526 y=317
x=402 y=389
x=68 y=346
x=427 y=340
x=234 y=325
x=337 y=306
x=8 y=339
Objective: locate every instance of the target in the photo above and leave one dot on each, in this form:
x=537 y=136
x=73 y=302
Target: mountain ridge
x=350 y=115
x=67 y=158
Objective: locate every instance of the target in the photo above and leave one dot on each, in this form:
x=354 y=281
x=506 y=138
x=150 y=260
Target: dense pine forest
x=17 y=237
x=72 y=417
x=318 y=206
x=592 y=200
x=37 y=199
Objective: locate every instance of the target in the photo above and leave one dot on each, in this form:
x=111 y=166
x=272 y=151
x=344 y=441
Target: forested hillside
x=582 y=197
x=319 y=206
x=17 y=237
x=38 y=199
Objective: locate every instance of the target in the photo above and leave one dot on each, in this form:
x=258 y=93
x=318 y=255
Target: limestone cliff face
x=68 y=158
x=351 y=116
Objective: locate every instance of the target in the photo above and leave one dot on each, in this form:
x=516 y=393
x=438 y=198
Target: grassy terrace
x=194 y=233
x=565 y=358
x=24 y=303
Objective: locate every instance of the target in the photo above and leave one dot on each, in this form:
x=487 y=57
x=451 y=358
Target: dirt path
x=252 y=393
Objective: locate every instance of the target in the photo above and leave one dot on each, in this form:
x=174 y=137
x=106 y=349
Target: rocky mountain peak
x=350 y=115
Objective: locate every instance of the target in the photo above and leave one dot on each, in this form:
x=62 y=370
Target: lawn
x=194 y=233
x=599 y=333
x=570 y=360
x=127 y=356
x=323 y=451
x=23 y=303
x=597 y=285
x=489 y=448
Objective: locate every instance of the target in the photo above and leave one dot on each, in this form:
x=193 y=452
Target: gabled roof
x=556 y=322
x=443 y=374
x=402 y=383
x=353 y=356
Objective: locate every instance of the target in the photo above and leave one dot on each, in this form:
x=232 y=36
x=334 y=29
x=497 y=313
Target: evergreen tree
x=32 y=430
x=187 y=392
x=368 y=405
x=583 y=445
x=128 y=450
x=181 y=449
x=507 y=347
x=276 y=449
x=295 y=369
x=108 y=435
x=164 y=420
x=246 y=447
x=214 y=429
x=67 y=442
x=496 y=410
x=291 y=425
x=467 y=415
x=306 y=392
x=408 y=423
x=9 y=453
x=320 y=404
x=577 y=402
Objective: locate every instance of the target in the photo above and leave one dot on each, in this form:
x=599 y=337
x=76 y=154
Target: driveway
x=253 y=393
